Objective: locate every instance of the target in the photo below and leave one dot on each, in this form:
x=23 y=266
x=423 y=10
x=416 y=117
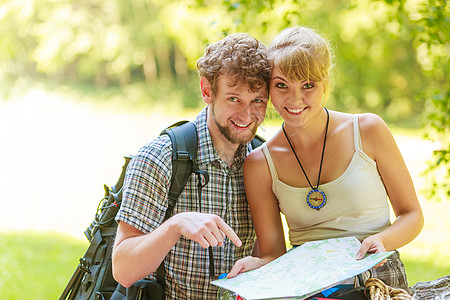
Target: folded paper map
x=303 y=271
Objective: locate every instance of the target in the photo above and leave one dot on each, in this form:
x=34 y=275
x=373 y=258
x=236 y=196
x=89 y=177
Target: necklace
x=316 y=198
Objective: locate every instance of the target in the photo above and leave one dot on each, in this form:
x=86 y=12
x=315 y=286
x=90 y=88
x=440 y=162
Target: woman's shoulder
x=257 y=157
x=255 y=166
x=372 y=124
x=340 y=122
x=347 y=116
x=370 y=119
x=256 y=154
x=367 y=121
x=375 y=134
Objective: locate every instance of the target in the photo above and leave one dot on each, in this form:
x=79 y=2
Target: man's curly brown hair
x=240 y=56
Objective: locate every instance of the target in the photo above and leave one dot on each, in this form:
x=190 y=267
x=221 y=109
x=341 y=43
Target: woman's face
x=296 y=101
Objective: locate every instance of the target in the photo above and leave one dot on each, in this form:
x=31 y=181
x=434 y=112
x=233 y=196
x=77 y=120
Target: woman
x=330 y=173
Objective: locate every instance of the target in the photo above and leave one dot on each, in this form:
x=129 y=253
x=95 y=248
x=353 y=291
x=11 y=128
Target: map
x=303 y=271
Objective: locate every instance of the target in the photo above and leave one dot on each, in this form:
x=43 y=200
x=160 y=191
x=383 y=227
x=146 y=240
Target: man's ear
x=205 y=87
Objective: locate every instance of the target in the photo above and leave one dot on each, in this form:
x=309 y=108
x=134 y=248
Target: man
x=234 y=83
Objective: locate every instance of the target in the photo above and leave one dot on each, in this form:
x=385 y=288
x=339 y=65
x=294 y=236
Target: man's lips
x=239 y=125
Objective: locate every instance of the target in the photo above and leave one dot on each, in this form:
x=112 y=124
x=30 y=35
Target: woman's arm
x=265 y=214
x=380 y=145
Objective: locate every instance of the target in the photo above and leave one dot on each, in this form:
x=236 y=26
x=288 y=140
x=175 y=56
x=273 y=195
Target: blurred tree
x=428 y=22
x=431 y=26
x=105 y=42
x=383 y=65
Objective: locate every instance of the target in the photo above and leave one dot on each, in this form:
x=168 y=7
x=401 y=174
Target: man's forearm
x=137 y=255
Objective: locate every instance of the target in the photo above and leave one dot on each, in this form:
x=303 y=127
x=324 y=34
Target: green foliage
x=37 y=265
x=431 y=31
x=392 y=56
x=105 y=42
x=121 y=42
x=438 y=171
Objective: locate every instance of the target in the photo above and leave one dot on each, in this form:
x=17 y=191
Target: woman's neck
x=308 y=134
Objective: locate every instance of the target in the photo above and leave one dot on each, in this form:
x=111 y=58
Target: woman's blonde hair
x=303 y=54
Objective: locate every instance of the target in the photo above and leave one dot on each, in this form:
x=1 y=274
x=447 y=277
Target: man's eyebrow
x=231 y=94
x=262 y=95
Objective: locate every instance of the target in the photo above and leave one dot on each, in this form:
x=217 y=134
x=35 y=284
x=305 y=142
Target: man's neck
x=229 y=156
x=225 y=150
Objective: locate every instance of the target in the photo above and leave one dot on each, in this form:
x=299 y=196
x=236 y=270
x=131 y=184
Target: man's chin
x=242 y=138
x=237 y=136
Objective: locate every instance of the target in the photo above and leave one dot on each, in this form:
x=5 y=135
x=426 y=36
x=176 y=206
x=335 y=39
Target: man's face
x=235 y=111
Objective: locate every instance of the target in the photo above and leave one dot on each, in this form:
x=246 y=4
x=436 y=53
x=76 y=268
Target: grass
x=37 y=265
x=419 y=269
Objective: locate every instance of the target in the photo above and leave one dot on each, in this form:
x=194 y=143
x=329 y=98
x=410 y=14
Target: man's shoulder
x=159 y=143
x=157 y=150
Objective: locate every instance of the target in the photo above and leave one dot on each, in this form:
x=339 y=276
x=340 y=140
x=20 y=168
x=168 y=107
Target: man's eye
x=233 y=99
x=308 y=85
x=258 y=100
x=281 y=85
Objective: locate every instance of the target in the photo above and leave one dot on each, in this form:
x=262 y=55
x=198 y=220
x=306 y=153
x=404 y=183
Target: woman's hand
x=245 y=264
x=371 y=244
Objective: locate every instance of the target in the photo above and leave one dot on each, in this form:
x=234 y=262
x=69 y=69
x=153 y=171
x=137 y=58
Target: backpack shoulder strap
x=183 y=136
x=257 y=141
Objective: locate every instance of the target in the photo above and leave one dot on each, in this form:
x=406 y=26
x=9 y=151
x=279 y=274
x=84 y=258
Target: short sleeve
x=146 y=184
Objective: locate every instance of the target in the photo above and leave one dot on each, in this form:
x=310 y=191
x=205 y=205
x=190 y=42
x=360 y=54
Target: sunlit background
x=83 y=83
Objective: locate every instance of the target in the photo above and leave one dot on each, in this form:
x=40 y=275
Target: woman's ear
x=205 y=87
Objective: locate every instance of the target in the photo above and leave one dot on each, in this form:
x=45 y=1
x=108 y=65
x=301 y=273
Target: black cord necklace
x=316 y=198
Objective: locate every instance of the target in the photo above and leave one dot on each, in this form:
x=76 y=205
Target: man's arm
x=137 y=254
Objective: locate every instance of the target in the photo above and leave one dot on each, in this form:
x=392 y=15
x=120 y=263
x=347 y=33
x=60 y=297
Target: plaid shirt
x=145 y=200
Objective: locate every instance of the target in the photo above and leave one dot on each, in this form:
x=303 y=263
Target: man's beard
x=226 y=132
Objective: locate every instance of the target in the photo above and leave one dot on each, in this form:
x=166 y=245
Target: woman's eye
x=281 y=85
x=308 y=85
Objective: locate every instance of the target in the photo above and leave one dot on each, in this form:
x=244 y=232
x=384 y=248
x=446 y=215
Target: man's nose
x=245 y=112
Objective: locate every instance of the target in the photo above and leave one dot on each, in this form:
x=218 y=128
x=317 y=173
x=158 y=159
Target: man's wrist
x=173 y=227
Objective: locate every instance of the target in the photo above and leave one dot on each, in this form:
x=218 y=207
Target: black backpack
x=93 y=278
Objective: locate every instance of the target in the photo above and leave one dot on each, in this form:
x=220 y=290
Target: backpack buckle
x=182 y=155
x=84 y=265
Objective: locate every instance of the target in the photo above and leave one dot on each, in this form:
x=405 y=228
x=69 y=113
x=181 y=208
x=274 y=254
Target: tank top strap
x=272 y=169
x=356 y=134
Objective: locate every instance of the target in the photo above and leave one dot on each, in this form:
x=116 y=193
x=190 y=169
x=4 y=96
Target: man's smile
x=241 y=125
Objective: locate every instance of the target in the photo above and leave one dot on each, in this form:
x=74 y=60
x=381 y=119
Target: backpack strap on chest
x=183 y=136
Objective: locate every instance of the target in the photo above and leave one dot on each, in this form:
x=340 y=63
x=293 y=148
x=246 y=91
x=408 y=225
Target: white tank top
x=356 y=201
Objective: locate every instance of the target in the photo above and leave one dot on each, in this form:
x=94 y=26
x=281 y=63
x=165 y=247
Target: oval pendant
x=316 y=199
